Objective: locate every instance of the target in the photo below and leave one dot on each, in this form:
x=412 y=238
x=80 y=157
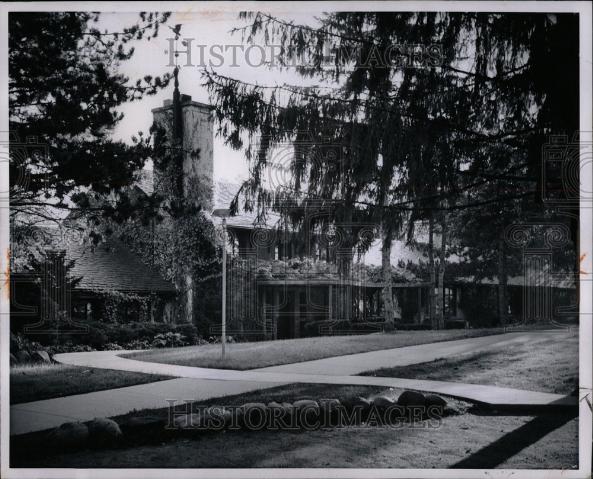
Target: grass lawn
x=467 y=441
x=45 y=381
x=471 y=439
x=271 y=353
x=547 y=364
x=480 y=441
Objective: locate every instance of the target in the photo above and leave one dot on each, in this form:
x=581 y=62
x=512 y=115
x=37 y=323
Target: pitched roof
x=112 y=266
x=224 y=193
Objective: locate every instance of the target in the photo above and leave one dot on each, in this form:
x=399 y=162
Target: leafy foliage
x=64 y=92
x=394 y=143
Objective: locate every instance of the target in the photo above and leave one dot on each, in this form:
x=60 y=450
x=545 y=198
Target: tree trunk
x=345 y=257
x=388 y=309
x=431 y=296
x=502 y=284
x=441 y=275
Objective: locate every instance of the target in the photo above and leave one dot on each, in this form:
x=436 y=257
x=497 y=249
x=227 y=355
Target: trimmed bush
x=101 y=335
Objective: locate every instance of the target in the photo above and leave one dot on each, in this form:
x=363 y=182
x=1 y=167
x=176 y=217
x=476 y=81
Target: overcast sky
x=209 y=29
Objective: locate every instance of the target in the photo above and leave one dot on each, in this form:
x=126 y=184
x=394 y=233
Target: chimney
x=197 y=133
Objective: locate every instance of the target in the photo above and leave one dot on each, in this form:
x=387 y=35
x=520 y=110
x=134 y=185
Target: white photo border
x=583 y=8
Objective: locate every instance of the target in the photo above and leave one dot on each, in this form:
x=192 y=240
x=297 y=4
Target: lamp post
x=223 y=213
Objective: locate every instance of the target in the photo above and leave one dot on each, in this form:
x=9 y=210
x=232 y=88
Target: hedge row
x=98 y=334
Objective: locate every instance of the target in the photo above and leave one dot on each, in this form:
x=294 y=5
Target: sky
x=210 y=32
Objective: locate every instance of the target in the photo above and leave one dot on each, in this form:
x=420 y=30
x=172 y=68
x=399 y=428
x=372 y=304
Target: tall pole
x=223 y=287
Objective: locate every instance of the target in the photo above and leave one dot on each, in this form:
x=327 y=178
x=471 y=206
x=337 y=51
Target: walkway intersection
x=200 y=384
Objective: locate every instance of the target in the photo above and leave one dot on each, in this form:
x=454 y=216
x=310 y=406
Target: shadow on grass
x=441 y=368
x=513 y=442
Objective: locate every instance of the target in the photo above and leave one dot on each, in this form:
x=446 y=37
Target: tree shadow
x=513 y=442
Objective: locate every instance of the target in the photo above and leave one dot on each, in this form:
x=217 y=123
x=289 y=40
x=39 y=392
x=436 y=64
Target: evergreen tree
x=65 y=88
x=414 y=142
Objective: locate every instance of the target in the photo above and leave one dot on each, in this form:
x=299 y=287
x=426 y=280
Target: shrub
x=189 y=330
x=169 y=340
x=138 y=344
x=413 y=326
x=102 y=335
x=455 y=323
x=96 y=338
x=325 y=327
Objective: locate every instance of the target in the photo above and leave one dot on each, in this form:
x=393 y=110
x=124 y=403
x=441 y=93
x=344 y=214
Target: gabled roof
x=111 y=266
x=224 y=193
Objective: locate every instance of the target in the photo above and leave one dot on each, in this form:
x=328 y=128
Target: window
x=450 y=302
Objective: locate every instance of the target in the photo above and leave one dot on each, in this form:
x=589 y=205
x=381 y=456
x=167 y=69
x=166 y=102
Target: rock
x=285 y=408
x=41 y=357
x=355 y=410
x=411 y=399
x=358 y=402
x=305 y=403
x=307 y=411
x=308 y=405
x=215 y=418
x=383 y=402
x=329 y=409
x=143 y=426
x=104 y=432
x=254 y=416
x=329 y=406
x=288 y=407
x=23 y=356
x=187 y=421
x=70 y=435
x=451 y=411
x=278 y=414
x=434 y=400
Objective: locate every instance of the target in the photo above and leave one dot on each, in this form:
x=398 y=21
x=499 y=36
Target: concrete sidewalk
x=203 y=383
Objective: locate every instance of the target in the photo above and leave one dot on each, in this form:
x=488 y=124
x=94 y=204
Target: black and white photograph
x=317 y=239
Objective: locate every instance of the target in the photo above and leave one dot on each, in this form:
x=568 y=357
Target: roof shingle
x=111 y=266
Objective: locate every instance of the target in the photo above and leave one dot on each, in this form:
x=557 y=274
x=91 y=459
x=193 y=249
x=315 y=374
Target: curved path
x=342 y=370
x=194 y=383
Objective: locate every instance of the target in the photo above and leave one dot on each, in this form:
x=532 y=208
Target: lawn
x=480 y=441
x=547 y=364
x=467 y=441
x=471 y=439
x=261 y=354
x=45 y=381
